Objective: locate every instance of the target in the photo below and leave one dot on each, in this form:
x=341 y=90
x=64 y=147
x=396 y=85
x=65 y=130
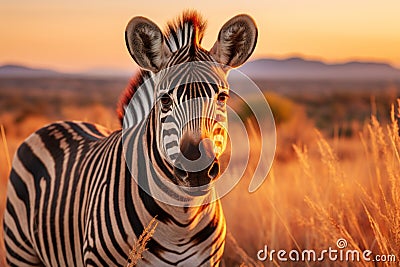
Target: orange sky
x=73 y=36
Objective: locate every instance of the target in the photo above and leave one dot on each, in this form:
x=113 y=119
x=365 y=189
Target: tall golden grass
x=333 y=188
x=338 y=188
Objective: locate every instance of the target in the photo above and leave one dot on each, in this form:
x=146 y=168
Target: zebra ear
x=236 y=41
x=145 y=43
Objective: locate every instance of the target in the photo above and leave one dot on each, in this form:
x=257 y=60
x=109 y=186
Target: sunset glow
x=74 y=36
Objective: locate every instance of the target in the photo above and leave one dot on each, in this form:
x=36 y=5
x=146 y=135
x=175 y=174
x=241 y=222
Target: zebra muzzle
x=197 y=164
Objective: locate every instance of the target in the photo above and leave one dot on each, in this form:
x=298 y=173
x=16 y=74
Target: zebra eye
x=223 y=97
x=166 y=101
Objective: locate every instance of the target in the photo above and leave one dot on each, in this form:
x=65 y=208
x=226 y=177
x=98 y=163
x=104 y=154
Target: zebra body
x=76 y=195
x=98 y=229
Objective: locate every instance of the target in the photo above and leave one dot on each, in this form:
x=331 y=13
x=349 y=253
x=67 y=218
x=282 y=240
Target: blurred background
x=330 y=72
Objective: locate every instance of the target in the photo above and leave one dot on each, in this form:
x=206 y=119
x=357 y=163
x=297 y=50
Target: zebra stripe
x=79 y=195
x=105 y=232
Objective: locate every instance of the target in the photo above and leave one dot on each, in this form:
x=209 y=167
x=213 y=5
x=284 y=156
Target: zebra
x=76 y=196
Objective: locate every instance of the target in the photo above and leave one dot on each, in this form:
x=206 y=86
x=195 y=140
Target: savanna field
x=336 y=173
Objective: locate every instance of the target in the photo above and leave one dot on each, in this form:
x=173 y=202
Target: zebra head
x=191 y=89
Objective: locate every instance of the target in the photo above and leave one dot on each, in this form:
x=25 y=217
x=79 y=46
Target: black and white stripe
x=79 y=195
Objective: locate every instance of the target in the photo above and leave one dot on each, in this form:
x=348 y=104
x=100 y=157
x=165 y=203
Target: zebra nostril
x=214 y=170
x=180 y=172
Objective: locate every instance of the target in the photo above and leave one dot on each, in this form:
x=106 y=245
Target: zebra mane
x=187 y=29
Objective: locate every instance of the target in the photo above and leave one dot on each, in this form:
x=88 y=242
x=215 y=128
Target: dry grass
x=330 y=189
x=135 y=255
x=339 y=188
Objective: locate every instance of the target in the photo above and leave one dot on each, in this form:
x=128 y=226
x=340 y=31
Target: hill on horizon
x=266 y=68
x=299 y=68
x=19 y=71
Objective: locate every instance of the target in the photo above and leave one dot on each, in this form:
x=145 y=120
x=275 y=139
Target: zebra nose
x=197 y=164
x=197 y=178
x=194 y=150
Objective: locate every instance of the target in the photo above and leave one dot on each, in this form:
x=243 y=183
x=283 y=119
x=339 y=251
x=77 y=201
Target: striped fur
x=95 y=228
x=74 y=197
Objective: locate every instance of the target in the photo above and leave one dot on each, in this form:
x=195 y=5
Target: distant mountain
x=19 y=71
x=299 y=68
x=109 y=72
x=291 y=68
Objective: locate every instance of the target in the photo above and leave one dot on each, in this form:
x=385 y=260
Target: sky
x=80 y=35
